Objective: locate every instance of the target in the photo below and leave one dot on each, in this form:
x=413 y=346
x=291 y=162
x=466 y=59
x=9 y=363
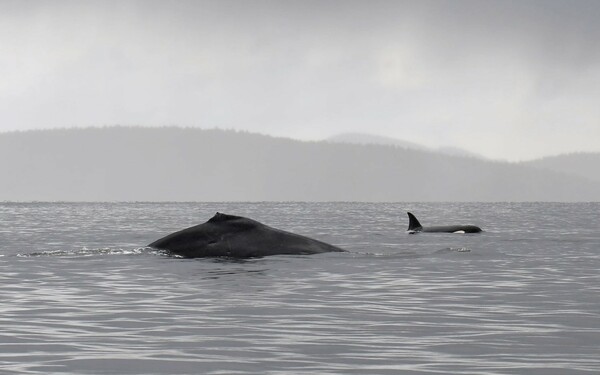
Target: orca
x=238 y=237
x=415 y=227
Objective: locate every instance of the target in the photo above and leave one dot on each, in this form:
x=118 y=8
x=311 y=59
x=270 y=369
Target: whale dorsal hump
x=413 y=223
x=219 y=217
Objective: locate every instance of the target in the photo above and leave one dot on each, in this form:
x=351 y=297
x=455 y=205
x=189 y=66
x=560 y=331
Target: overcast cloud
x=506 y=79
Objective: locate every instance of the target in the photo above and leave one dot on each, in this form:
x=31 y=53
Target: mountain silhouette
x=371 y=139
x=186 y=164
x=582 y=164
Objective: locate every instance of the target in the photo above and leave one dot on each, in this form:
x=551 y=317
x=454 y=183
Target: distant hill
x=585 y=165
x=174 y=164
x=370 y=139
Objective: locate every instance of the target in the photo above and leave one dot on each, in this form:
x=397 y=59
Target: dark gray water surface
x=80 y=294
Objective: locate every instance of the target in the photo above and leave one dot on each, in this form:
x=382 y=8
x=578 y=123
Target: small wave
x=454 y=250
x=88 y=252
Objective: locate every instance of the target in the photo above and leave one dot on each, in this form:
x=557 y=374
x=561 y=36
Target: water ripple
x=499 y=303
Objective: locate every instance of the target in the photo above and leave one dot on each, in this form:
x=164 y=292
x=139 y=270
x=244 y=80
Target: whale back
x=238 y=237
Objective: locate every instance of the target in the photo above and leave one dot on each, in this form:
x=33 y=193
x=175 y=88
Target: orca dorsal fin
x=413 y=223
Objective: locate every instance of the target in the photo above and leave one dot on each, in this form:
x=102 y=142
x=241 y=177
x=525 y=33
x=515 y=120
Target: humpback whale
x=414 y=227
x=237 y=237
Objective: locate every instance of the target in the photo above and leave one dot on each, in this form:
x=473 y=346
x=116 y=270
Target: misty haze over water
x=512 y=80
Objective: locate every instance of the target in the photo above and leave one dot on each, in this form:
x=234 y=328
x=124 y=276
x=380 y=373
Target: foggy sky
x=506 y=79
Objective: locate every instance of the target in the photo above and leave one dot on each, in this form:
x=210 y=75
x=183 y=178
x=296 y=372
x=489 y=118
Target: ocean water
x=80 y=294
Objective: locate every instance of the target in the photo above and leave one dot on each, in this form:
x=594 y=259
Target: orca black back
x=414 y=226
